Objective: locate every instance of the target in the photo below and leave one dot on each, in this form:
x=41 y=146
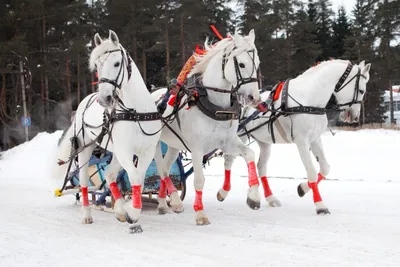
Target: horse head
x=112 y=64
x=350 y=91
x=234 y=63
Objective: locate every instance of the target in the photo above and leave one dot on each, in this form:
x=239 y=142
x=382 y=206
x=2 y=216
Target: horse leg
x=166 y=185
x=162 y=191
x=199 y=180
x=312 y=178
x=136 y=177
x=223 y=192
x=111 y=173
x=265 y=153
x=324 y=168
x=176 y=202
x=83 y=161
x=253 y=195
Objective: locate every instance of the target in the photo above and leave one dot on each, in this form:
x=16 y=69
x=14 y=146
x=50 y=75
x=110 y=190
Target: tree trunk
x=182 y=35
x=92 y=82
x=144 y=65
x=85 y=92
x=167 y=60
x=78 y=82
x=68 y=79
x=135 y=53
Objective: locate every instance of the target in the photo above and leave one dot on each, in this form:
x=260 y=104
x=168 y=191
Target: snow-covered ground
x=363 y=195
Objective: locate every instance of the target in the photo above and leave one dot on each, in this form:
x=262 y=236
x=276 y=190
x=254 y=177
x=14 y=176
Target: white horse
x=129 y=128
x=303 y=121
x=227 y=68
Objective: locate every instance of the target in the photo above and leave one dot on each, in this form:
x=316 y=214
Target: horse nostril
x=108 y=99
x=251 y=98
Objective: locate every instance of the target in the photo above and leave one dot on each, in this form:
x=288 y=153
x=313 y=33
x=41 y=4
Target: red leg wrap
x=115 y=191
x=198 y=201
x=253 y=179
x=320 y=178
x=267 y=190
x=85 y=196
x=137 y=196
x=162 y=192
x=170 y=186
x=316 y=195
x=227 y=181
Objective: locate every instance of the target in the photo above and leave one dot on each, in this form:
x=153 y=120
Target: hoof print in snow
x=136 y=229
x=323 y=211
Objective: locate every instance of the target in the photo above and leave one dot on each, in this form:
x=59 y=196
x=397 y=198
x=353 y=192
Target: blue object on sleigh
x=151 y=181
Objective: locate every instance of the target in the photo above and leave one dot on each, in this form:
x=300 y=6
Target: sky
x=348 y=4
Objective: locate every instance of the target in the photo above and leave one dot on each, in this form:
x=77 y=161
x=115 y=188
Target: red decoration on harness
x=84 y=191
x=97 y=76
x=115 y=191
x=227 y=181
x=137 y=196
x=198 y=201
x=216 y=32
x=253 y=179
x=278 y=91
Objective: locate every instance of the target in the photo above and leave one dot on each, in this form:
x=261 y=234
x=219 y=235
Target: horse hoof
x=220 y=197
x=129 y=220
x=300 y=191
x=136 y=229
x=202 y=221
x=162 y=211
x=323 y=211
x=87 y=220
x=255 y=205
x=177 y=209
x=275 y=203
x=121 y=218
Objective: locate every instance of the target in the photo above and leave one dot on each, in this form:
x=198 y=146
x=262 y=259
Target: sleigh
x=101 y=197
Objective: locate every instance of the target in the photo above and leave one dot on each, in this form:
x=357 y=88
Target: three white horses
x=129 y=128
x=228 y=75
x=302 y=120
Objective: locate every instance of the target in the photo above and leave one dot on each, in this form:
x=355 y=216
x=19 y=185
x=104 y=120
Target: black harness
x=284 y=110
x=126 y=114
x=216 y=112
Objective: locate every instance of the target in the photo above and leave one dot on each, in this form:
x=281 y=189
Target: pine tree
x=305 y=47
x=324 y=28
x=341 y=29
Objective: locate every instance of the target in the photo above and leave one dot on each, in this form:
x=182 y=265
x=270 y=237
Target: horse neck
x=318 y=87
x=212 y=77
x=135 y=93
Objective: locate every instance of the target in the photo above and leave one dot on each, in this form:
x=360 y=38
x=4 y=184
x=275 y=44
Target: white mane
x=227 y=44
x=317 y=67
x=99 y=50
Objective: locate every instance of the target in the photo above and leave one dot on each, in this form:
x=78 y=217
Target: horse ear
x=113 y=37
x=362 y=64
x=252 y=36
x=366 y=68
x=97 y=39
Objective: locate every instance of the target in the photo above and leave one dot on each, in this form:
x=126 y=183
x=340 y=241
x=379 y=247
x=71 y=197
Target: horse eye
x=362 y=92
x=241 y=65
x=116 y=64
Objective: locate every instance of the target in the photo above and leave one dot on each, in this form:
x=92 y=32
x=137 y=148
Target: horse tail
x=60 y=167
